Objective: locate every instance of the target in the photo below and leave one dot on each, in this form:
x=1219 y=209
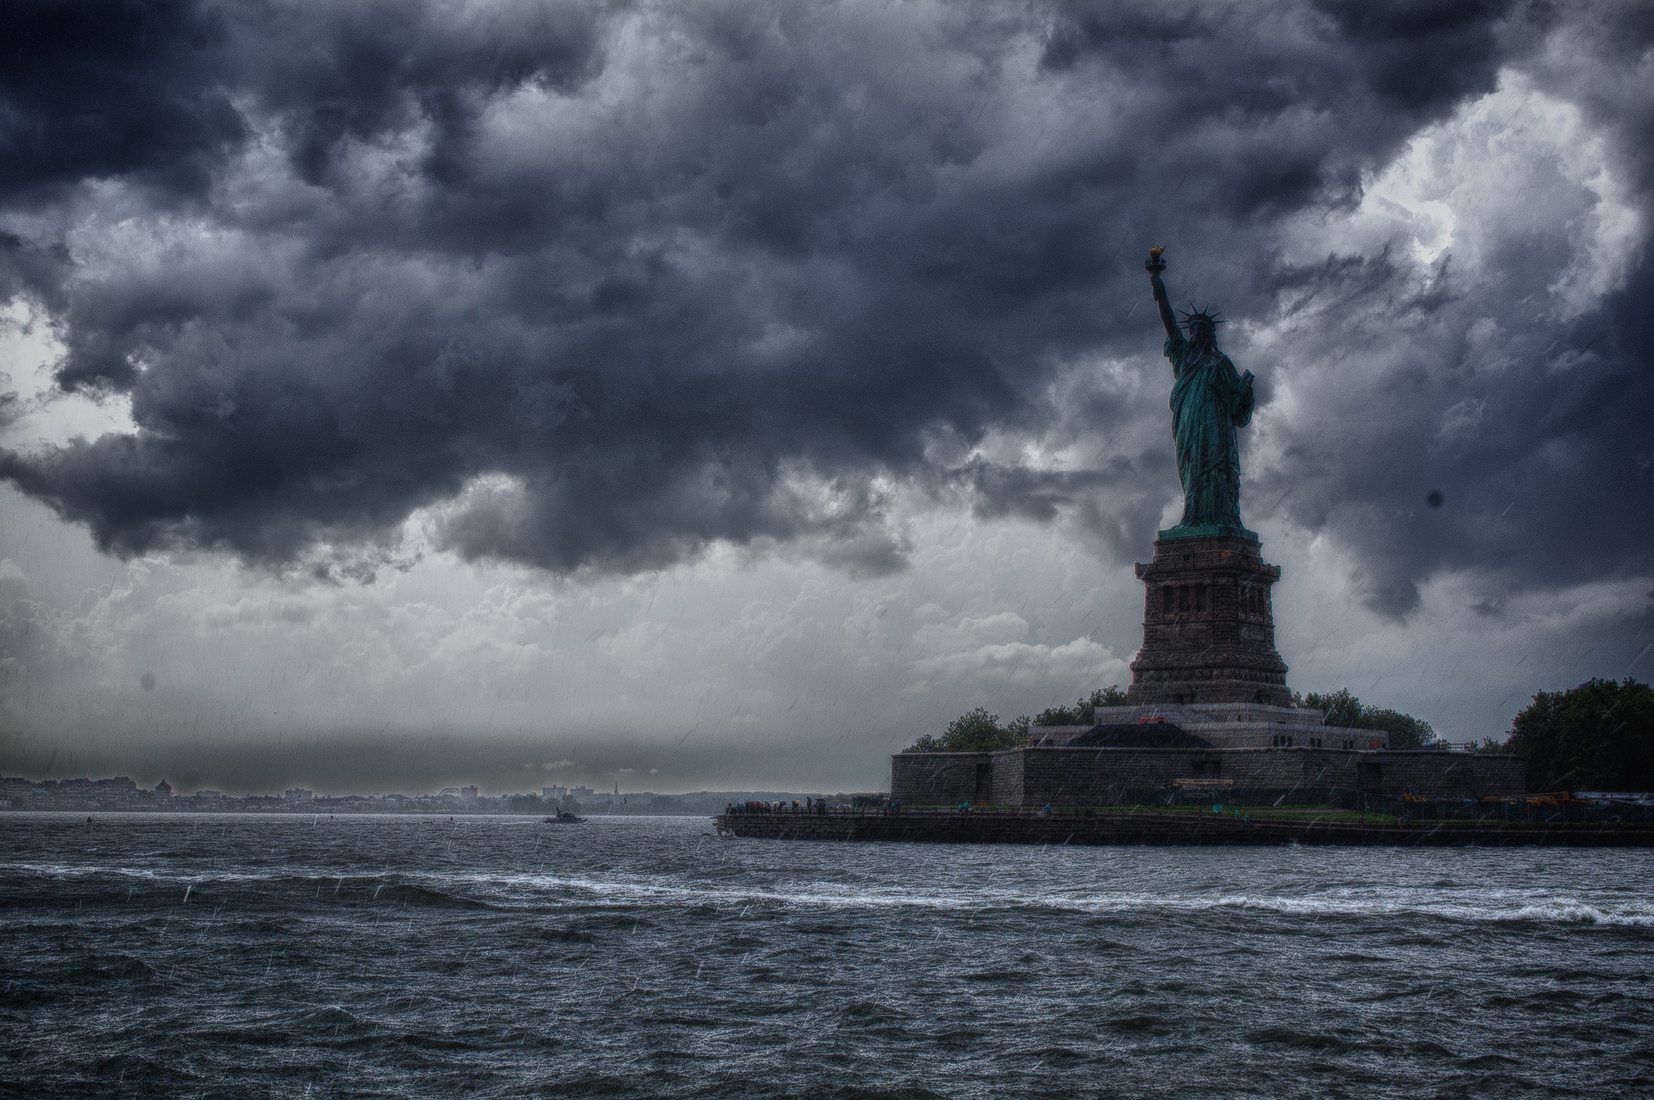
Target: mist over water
x=382 y=956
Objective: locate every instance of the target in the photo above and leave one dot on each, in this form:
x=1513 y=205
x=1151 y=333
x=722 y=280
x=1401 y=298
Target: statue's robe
x=1210 y=399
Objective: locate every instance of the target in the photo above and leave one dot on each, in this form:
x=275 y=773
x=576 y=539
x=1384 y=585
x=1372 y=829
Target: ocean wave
x=1458 y=905
x=554 y=892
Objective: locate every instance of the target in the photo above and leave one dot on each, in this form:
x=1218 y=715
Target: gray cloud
x=604 y=286
x=137 y=91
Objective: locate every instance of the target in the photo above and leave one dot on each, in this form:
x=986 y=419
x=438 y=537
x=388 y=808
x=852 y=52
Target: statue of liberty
x=1209 y=401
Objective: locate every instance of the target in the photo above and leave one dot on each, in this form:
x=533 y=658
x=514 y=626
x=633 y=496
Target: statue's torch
x=1155 y=265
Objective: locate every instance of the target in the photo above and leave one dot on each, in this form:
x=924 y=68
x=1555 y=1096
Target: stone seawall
x=1029 y=778
x=1155 y=829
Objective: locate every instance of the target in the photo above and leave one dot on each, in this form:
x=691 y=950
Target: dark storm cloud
x=1033 y=494
x=1265 y=109
x=30 y=270
x=129 y=89
x=605 y=285
x=1522 y=453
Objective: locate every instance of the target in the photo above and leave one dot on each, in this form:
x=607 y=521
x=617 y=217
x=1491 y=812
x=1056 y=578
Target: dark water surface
x=388 y=956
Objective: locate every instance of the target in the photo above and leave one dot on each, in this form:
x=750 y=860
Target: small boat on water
x=565 y=818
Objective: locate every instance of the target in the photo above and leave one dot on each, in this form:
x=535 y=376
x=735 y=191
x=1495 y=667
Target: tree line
x=979 y=731
x=1598 y=736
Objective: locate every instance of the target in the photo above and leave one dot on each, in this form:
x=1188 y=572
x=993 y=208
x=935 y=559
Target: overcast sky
x=722 y=394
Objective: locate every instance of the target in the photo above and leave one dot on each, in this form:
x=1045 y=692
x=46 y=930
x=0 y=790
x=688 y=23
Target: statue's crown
x=1191 y=316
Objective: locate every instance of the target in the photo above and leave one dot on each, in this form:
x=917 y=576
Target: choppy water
x=376 y=956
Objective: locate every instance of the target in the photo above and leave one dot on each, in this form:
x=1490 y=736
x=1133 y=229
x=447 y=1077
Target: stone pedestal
x=1208 y=631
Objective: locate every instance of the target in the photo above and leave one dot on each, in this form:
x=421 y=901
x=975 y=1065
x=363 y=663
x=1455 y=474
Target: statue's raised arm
x=1154 y=266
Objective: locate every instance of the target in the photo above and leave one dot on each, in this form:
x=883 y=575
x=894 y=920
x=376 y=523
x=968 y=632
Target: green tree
x=1058 y=716
x=1598 y=736
x=1406 y=732
x=1111 y=696
x=974 y=731
x=1084 y=710
x=1344 y=709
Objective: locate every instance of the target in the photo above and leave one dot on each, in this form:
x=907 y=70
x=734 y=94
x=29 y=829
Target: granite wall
x=1033 y=777
x=941 y=778
x=1446 y=775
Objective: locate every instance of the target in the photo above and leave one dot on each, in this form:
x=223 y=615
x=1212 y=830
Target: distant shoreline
x=592 y=815
x=121 y=795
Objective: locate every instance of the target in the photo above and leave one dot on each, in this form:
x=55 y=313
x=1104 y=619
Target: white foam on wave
x=1494 y=905
x=197 y=876
x=1571 y=911
x=538 y=890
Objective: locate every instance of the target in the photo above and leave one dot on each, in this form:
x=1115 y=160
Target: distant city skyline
x=123 y=794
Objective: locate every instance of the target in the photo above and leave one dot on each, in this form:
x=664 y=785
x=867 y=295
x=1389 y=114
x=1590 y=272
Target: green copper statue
x=1209 y=401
